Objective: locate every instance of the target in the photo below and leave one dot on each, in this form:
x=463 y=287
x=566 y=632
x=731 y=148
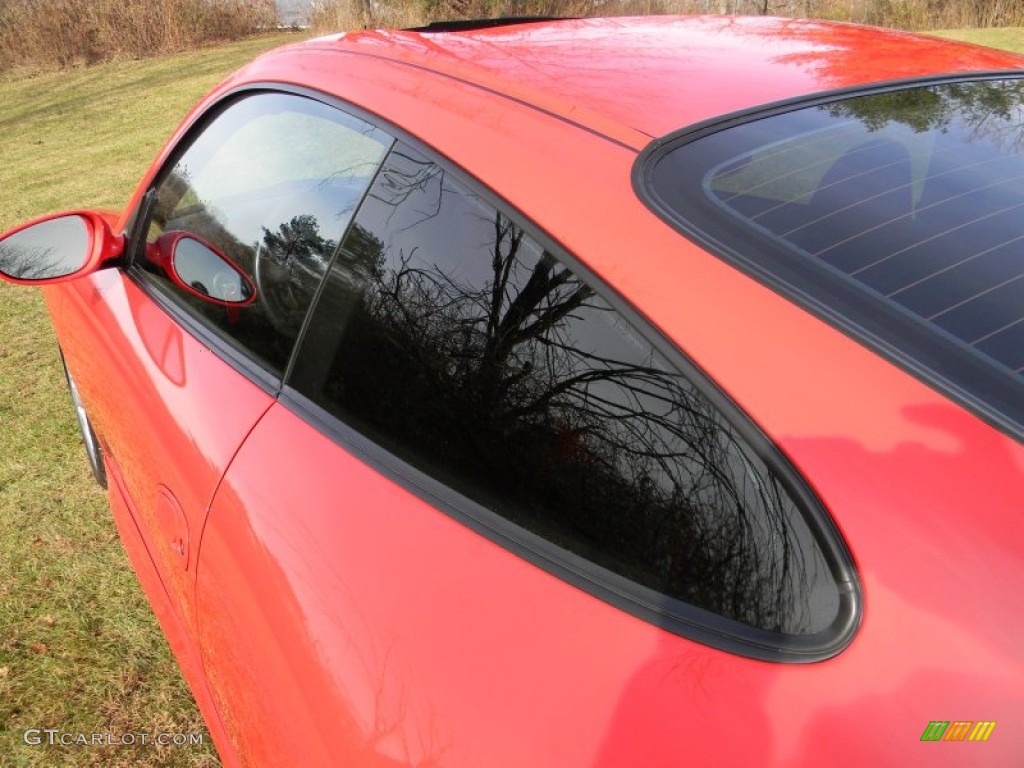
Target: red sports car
x=633 y=392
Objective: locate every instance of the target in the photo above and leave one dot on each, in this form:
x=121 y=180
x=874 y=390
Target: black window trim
x=670 y=614
x=796 y=281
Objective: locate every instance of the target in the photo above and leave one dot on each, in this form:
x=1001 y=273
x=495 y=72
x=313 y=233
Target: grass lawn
x=79 y=646
x=1008 y=38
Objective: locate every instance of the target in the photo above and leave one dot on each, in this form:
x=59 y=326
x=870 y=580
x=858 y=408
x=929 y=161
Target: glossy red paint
x=761 y=59
x=324 y=615
x=103 y=245
x=185 y=650
x=171 y=414
x=792 y=716
x=626 y=76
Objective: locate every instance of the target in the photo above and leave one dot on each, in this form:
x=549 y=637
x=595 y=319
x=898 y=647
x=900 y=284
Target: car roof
x=652 y=75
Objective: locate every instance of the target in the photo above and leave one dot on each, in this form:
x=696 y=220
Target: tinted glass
x=914 y=198
x=271 y=183
x=451 y=337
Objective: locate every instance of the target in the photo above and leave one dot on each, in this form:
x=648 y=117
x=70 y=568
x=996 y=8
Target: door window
x=271 y=183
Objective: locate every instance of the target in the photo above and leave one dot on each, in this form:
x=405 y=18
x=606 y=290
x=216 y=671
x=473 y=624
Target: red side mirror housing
x=58 y=247
x=202 y=269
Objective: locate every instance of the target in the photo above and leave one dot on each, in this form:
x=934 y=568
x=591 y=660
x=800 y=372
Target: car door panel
x=173 y=379
x=170 y=412
x=391 y=634
x=169 y=618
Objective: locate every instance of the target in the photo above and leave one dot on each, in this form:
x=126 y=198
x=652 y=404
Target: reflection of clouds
x=270 y=149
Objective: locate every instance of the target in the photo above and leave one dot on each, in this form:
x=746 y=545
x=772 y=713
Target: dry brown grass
x=47 y=34
x=905 y=14
x=42 y=34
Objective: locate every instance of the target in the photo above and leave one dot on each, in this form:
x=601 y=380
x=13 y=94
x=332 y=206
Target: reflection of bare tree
x=30 y=263
x=52 y=248
x=529 y=393
x=286 y=258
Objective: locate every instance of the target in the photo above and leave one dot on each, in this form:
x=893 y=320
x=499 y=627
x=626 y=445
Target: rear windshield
x=897 y=214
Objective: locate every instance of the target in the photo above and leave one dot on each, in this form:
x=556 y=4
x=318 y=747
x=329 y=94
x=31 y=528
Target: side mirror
x=202 y=270
x=56 y=248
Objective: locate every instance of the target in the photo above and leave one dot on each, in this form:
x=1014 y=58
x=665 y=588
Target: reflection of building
x=293 y=13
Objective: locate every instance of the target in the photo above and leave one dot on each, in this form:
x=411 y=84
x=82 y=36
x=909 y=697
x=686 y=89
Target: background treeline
x=42 y=34
x=906 y=14
x=48 y=33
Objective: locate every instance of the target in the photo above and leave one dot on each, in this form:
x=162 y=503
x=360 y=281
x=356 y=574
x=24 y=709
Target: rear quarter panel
x=431 y=645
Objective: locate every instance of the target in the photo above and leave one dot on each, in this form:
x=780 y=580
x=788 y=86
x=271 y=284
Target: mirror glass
x=54 y=248
x=208 y=273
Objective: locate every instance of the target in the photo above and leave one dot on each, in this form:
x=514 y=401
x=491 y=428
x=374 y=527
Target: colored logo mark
x=958 y=730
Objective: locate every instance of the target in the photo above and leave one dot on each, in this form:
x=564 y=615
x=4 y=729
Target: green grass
x=79 y=646
x=1007 y=38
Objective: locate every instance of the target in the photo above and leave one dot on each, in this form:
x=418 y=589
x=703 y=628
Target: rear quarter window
x=455 y=340
x=897 y=214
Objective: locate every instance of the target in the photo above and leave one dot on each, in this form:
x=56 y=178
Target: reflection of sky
x=269 y=159
x=48 y=249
